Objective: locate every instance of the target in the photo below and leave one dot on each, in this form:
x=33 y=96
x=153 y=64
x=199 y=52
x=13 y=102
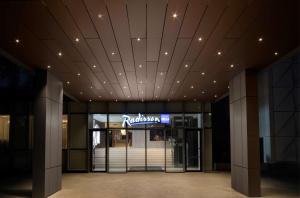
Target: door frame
x=91 y=132
x=200 y=148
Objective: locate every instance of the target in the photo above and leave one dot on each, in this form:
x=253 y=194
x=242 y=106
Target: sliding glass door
x=155 y=149
x=98 y=150
x=136 y=150
x=117 y=159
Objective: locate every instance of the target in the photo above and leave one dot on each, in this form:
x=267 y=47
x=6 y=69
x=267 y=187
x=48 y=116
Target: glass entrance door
x=193 y=149
x=175 y=150
x=155 y=149
x=136 y=150
x=117 y=159
x=98 y=150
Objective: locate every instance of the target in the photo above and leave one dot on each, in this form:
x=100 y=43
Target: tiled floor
x=152 y=185
x=160 y=185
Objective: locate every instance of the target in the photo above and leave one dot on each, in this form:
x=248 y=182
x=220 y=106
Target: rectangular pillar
x=244 y=134
x=47 y=150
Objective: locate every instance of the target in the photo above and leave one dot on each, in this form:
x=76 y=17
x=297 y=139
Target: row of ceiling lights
x=174 y=15
x=140 y=66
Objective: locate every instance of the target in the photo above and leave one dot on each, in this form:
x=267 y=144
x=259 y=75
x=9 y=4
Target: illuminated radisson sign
x=145 y=119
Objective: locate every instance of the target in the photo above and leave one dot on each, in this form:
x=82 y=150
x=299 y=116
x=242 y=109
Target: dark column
x=244 y=134
x=47 y=136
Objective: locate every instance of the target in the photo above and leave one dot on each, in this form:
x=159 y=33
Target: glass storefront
x=145 y=142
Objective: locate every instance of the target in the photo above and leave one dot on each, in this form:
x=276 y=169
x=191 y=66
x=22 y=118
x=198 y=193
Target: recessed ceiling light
x=275 y=53
x=166 y=53
x=94 y=66
x=68 y=82
x=113 y=53
x=100 y=16
x=78 y=74
x=192 y=87
x=199 y=39
x=49 y=66
x=175 y=15
x=219 y=53
x=178 y=81
x=203 y=73
x=260 y=39
x=214 y=81
x=104 y=82
x=140 y=66
x=91 y=87
x=17 y=41
x=59 y=54
x=77 y=40
x=232 y=65
x=138 y=39
x=120 y=74
x=90 y=100
x=186 y=65
x=161 y=73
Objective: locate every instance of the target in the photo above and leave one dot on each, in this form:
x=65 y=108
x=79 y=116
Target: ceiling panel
x=100 y=17
x=81 y=16
x=118 y=15
x=171 y=30
x=139 y=51
x=194 y=13
x=137 y=18
x=104 y=63
x=156 y=10
x=107 y=52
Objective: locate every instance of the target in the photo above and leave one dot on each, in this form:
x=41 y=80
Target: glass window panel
x=193 y=120
x=98 y=121
x=163 y=120
x=140 y=124
x=116 y=121
x=176 y=120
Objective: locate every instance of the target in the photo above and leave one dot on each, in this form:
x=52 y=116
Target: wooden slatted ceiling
x=120 y=52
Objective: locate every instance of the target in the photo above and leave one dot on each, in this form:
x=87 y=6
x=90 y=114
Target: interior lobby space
x=149 y=98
